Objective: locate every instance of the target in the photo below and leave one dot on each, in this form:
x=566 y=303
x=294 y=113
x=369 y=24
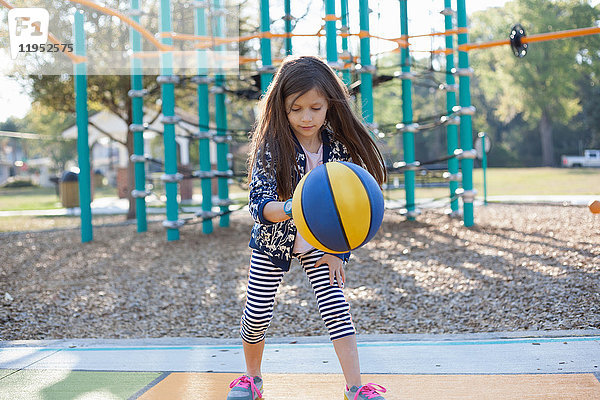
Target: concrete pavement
x=517 y=365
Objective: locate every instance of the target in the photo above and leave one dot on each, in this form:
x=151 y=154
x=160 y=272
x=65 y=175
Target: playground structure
x=212 y=13
x=407 y=128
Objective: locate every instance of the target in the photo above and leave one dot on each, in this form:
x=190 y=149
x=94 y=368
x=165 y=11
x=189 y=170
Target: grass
x=39 y=198
x=500 y=181
x=523 y=181
x=539 y=181
x=39 y=223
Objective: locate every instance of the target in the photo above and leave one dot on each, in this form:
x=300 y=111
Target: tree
x=47 y=122
x=590 y=111
x=105 y=34
x=589 y=88
x=104 y=92
x=542 y=85
x=12 y=143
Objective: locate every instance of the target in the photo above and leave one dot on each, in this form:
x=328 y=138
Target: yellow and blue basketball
x=337 y=207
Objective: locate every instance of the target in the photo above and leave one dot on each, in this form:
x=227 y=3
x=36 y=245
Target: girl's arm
x=273 y=211
x=263 y=192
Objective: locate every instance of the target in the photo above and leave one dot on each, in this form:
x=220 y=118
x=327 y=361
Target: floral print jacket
x=276 y=240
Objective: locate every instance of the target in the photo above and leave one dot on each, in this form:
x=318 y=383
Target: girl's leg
x=263 y=280
x=347 y=352
x=335 y=312
x=253 y=354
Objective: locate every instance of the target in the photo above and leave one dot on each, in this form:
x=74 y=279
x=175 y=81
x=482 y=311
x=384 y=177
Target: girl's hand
x=336 y=268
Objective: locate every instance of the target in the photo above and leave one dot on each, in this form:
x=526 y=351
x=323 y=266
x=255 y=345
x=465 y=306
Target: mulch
x=521 y=267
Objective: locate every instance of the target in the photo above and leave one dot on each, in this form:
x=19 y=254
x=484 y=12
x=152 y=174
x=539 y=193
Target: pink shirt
x=313 y=160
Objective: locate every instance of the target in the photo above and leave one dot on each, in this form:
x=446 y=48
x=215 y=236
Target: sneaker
x=364 y=392
x=246 y=388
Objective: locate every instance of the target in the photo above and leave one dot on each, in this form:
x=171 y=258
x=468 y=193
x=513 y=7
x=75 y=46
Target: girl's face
x=306 y=114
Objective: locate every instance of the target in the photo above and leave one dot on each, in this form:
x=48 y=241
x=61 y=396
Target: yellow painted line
x=207 y=386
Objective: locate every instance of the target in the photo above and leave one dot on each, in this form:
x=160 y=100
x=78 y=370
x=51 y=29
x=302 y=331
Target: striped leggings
x=264 y=279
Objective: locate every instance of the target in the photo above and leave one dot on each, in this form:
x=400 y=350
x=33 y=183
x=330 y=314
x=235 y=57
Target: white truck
x=590 y=158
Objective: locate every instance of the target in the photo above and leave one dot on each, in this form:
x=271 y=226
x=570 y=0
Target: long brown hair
x=296 y=76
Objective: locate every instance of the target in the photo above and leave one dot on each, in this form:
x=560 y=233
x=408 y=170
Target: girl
x=305 y=120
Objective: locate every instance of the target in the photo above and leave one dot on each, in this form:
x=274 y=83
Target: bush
x=17 y=182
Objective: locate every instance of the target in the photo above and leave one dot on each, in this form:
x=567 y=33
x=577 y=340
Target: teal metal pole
x=137 y=127
x=451 y=129
x=366 y=76
x=345 y=30
x=221 y=120
x=168 y=80
x=288 y=27
x=266 y=71
x=330 y=32
x=482 y=135
x=83 y=149
x=203 y=121
x=466 y=128
x=408 y=138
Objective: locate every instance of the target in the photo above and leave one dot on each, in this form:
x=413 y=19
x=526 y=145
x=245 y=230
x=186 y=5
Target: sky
x=423 y=18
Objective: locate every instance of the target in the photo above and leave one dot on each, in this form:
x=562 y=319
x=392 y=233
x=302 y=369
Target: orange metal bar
x=298 y=34
x=244 y=60
x=207 y=41
x=445 y=33
x=471 y=46
x=117 y=14
x=210 y=41
x=127 y=20
x=402 y=41
x=154 y=54
x=331 y=17
x=446 y=51
x=183 y=36
x=398 y=41
x=442 y=51
x=439 y=51
x=540 y=37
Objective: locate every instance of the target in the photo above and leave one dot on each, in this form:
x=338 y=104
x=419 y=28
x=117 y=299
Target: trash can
x=98 y=179
x=69 y=189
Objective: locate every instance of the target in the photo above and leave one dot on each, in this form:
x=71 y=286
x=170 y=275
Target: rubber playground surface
x=518 y=365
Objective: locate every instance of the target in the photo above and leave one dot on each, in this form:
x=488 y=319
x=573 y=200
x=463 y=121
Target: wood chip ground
x=534 y=267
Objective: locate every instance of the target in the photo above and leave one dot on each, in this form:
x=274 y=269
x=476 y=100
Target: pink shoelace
x=369 y=391
x=246 y=382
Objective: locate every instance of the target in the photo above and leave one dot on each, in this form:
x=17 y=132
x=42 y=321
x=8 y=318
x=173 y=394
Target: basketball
x=337 y=207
